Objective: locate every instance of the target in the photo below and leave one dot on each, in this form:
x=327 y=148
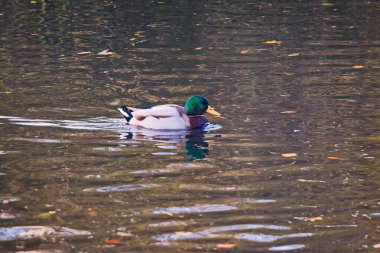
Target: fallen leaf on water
x=293 y=54
x=112 y=241
x=124 y=234
x=287 y=155
x=182 y=233
x=358 y=67
x=246 y=51
x=225 y=245
x=92 y=213
x=333 y=158
x=84 y=53
x=45 y=215
x=272 y=42
x=288 y=112
x=312 y=219
x=311 y=181
x=105 y=53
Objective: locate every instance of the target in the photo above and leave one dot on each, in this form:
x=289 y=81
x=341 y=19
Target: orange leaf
x=333 y=158
x=312 y=219
x=92 y=213
x=358 y=67
x=287 y=155
x=226 y=245
x=112 y=241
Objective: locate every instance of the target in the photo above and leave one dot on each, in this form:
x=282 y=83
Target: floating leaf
x=226 y=245
x=246 y=51
x=124 y=234
x=312 y=219
x=92 y=213
x=287 y=155
x=84 y=53
x=288 y=112
x=105 y=53
x=293 y=54
x=112 y=241
x=46 y=215
x=333 y=158
x=358 y=67
x=311 y=181
x=272 y=42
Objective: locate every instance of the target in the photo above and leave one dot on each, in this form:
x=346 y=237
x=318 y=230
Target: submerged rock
x=39 y=232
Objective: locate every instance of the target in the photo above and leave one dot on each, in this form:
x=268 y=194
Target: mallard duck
x=171 y=117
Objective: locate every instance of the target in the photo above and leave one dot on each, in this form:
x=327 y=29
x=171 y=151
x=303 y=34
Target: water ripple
x=194 y=209
x=122 y=188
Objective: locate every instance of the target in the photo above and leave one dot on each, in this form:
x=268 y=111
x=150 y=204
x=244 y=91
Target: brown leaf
x=92 y=213
x=287 y=155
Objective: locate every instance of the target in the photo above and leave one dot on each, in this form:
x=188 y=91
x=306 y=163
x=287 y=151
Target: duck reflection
x=195 y=145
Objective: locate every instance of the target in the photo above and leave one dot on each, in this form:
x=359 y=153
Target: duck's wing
x=160 y=111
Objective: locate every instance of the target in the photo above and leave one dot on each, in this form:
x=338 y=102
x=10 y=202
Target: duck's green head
x=197 y=105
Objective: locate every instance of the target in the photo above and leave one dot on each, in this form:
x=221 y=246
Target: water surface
x=291 y=166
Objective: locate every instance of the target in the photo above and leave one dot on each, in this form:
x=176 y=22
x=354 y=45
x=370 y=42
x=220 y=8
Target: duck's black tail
x=127 y=113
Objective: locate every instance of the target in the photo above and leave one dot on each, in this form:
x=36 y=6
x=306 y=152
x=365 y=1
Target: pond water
x=292 y=165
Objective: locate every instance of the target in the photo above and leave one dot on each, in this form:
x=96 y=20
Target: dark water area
x=292 y=164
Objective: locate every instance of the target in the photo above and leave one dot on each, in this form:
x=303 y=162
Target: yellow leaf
x=84 y=53
x=287 y=155
x=312 y=219
x=358 y=67
x=288 y=112
x=225 y=245
x=293 y=54
x=272 y=42
x=46 y=215
x=246 y=51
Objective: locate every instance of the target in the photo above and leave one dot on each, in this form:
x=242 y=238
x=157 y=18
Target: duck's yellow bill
x=212 y=111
